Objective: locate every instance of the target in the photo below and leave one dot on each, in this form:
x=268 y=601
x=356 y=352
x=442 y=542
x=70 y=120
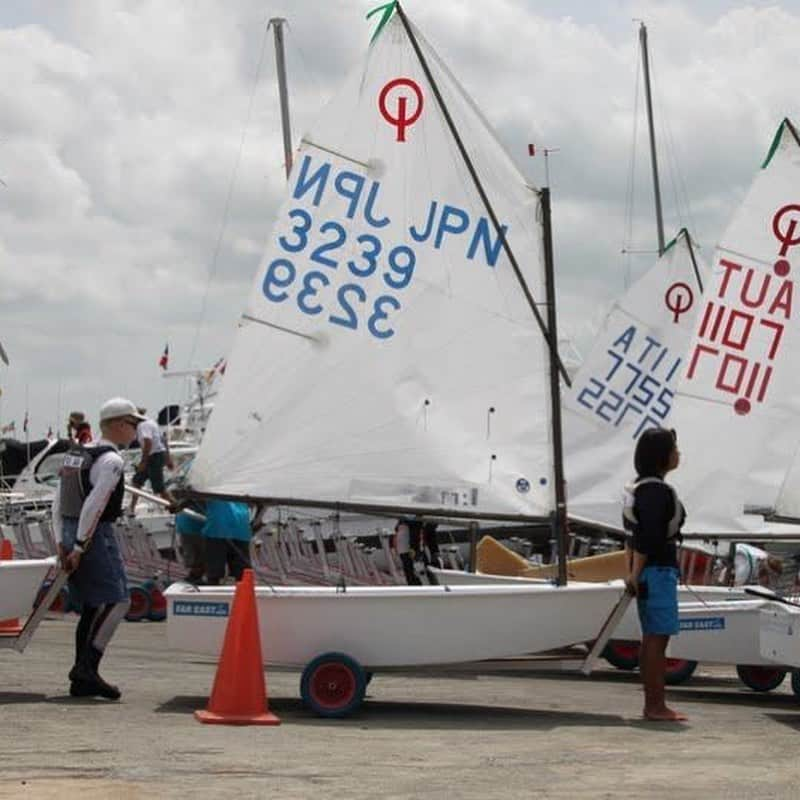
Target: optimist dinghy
x=393 y=359
x=20 y=582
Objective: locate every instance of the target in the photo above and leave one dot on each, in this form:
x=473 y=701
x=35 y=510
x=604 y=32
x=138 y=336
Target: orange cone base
x=213 y=718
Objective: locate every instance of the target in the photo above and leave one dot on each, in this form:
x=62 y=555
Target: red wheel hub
x=158 y=601
x=626 y=649
x=332 y=685
x=764 y=676
x=138 y=602
x=674 y=664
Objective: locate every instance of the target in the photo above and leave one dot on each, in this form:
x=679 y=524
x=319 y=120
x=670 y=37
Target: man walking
x=155 y=455
x=87 y=503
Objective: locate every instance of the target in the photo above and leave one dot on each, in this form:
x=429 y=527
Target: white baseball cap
x=118 y=407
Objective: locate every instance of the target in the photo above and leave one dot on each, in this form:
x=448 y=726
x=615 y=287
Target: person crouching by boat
x=87 y=503
x=407 y=533
x=653 y=514
x=189 y=527
x=227 y=535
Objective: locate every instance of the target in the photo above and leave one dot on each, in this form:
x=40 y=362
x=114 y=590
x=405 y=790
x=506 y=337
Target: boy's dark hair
x=653 y=450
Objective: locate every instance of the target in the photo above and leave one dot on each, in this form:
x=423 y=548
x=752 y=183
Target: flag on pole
x=25 y=423
x=164 y=360
x=531 y=149
x=49 y=431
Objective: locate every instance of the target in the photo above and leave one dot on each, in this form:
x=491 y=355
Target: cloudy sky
x=141 y=155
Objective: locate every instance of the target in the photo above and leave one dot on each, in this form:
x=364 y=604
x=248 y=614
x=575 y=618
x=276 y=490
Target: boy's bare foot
x=664 y=715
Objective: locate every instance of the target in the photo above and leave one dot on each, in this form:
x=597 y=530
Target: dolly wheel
x=796 y=682
x=761 y=679
x=140 y=604
x=678 y=670
x=622 y=655
x=158 y=605
x=333 y=684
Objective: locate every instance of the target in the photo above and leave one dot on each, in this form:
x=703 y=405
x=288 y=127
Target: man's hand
x=170 y=463
x=73 y=560
x=632 y=585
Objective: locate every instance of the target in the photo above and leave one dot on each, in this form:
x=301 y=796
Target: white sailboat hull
x=780 y=634
x=718 y=625
x=396 y=626
x=20 y=582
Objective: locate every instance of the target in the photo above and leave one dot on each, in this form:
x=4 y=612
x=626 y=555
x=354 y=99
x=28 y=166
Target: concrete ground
x=527 y=734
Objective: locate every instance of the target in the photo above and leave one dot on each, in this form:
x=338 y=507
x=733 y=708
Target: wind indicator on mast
x=546 y=151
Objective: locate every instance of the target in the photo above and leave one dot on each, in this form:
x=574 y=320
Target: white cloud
x=121 y=124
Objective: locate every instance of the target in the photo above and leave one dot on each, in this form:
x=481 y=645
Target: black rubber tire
x=796 y=682
x=333 y=685
x=622 y=655
x=158 y=603
x=679 y=670
x=140 y=604
x=760 y=678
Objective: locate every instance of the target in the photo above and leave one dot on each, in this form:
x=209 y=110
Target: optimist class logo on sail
x=347 y=268
x=401 y=119
x=741 y=332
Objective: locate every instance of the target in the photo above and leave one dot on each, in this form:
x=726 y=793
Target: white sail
x=387 y=354
x=737 y=409
x=627 y=382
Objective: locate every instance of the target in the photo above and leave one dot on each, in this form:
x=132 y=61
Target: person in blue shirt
x=227 y=534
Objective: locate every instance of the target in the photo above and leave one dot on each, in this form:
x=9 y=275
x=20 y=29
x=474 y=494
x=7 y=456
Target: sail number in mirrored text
x=351 y=302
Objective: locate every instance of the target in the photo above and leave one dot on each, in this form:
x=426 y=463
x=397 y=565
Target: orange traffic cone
x=8 y=627
x=239 y=695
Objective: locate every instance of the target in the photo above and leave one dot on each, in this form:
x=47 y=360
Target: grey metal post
x=277 y=24
x=651 y=127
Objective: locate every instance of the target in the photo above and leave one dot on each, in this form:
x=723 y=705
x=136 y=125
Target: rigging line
x=553 y=345
x=670 y=155
x=228 y=200
x=690 y=245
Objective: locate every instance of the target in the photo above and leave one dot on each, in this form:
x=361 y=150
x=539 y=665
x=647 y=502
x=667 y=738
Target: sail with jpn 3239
x=387 y=356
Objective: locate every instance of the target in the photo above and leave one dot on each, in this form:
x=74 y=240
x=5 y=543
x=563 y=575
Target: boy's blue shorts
x=657 y=601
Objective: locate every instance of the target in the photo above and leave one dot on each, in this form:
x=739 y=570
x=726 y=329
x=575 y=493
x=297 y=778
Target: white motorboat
x=20 y=582
x=397 y=626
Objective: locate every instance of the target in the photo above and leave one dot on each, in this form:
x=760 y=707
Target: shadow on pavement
x=792 y=720
x=12 y=698
x=413 y=715
x=733 y=697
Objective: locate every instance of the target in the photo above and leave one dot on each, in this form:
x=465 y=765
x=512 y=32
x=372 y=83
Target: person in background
x=155 y=455
x=653 y=515
x=189 y=528
x=406 y=544
x=227 y=535
x=88 y=501
x=78 y=429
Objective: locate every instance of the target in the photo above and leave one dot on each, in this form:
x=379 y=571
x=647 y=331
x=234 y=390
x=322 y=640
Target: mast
x=277 y=24
x=651 y=128
x=559 y=516
x=551 y=343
